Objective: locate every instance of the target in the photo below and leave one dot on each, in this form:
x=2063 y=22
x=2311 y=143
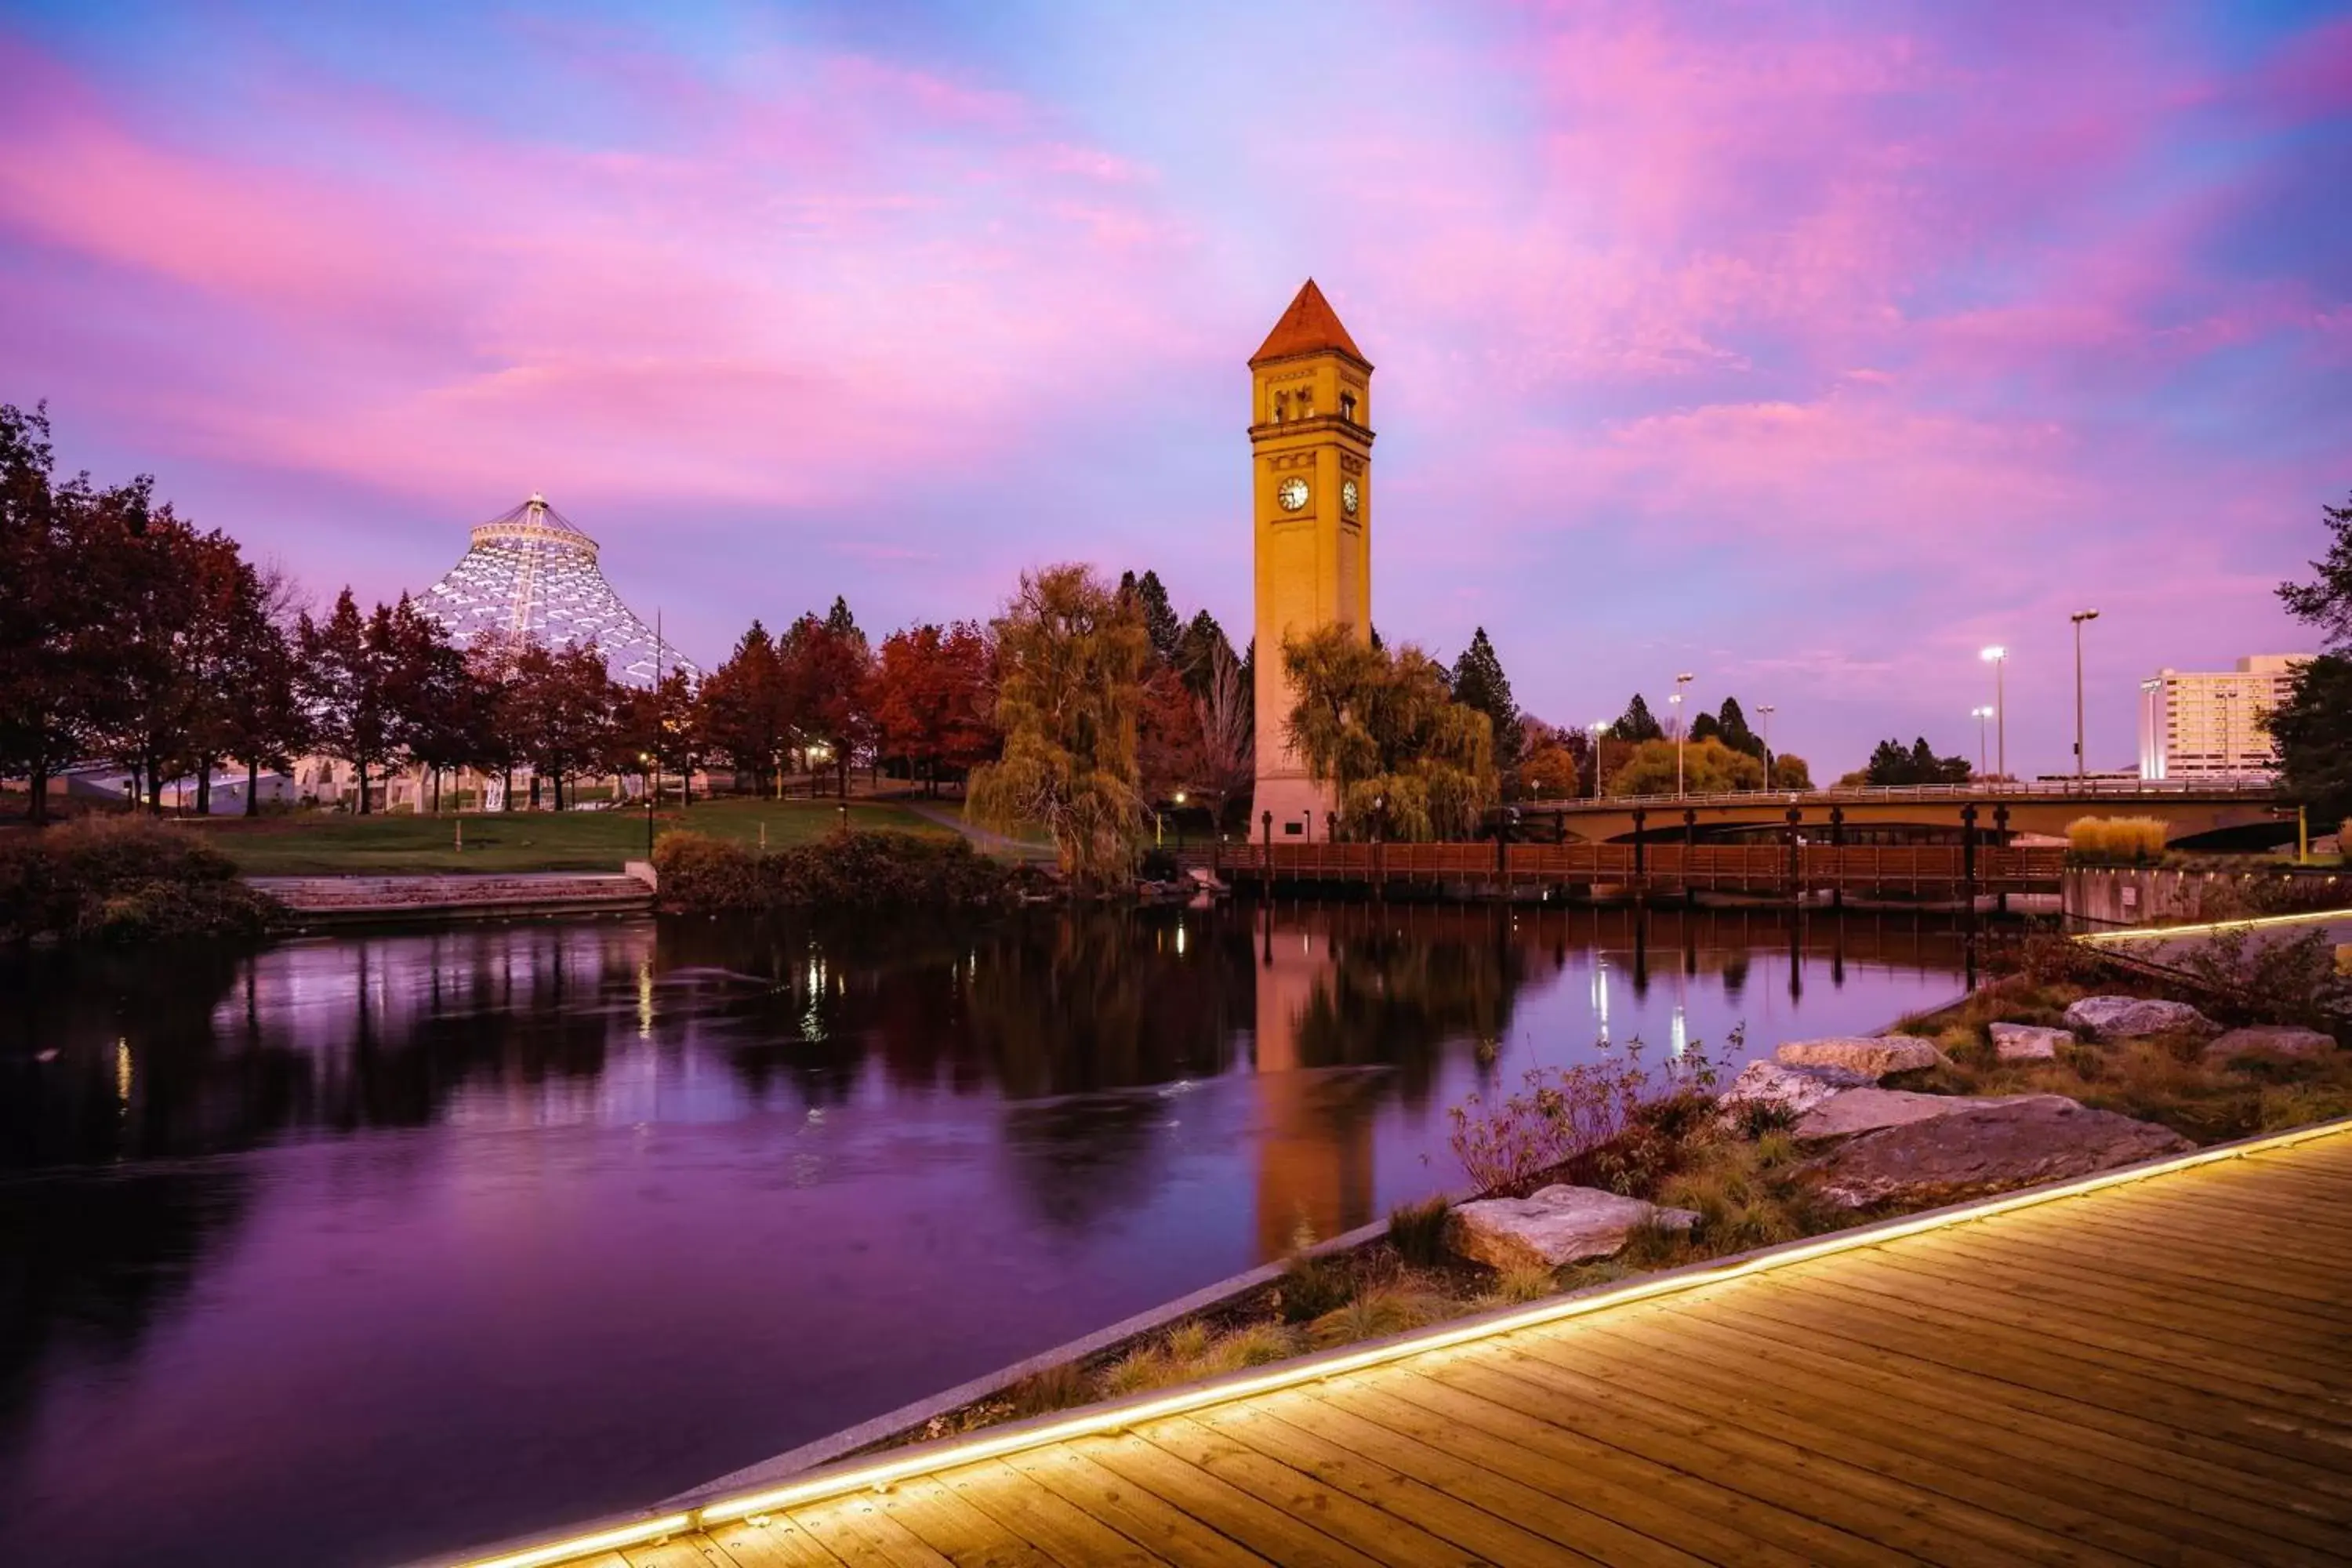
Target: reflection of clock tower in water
x=1311 y=461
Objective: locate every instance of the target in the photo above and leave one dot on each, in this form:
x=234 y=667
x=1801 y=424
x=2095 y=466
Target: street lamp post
x=2078 y=617
x=1599 y=730
x=1766 y=710
x=1676 y=699
x=646 y=760
x=1998 y=656
x=1981 y=715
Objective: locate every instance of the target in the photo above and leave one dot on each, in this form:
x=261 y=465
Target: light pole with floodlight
x=1766 y=710
x=1680 y=681
x=1600 y=731
x=1981 y=715
x=1998 y=656
x=2078 y=617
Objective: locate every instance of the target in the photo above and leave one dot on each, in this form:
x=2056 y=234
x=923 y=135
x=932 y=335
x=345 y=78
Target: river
x=352 y=1248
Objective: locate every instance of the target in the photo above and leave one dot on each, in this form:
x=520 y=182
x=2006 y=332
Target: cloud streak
x=1866 y=334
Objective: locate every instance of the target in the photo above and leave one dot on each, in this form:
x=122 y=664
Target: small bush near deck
x=1615 y=1110
x=2117 y=837
x=1190 y=1352
x=1417 y=1231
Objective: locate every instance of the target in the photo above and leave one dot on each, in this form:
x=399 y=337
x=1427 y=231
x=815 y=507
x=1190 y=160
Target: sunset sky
x=1805 y=347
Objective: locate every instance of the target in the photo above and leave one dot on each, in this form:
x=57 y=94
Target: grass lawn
x=327 y=843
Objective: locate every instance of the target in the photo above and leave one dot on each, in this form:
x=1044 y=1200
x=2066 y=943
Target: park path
x=986 y=838
x=2150 y=1367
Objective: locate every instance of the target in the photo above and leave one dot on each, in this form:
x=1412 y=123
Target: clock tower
x=1311 y=503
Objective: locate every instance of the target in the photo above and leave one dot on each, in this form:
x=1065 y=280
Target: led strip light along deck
x=1335 y=1363
x=2150 y=933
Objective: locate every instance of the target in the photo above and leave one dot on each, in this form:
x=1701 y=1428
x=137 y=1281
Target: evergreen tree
x=1637 y=724
x=1160 y=621
x=1479 y=682
x=1706 y=727
x=2312 y=728
x=1891 y=762
x=1732 y=725
x=840 y=622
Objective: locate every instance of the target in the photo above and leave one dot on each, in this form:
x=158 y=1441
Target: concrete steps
x=444 y=895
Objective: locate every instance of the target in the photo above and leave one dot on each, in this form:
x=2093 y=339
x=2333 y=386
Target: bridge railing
x=1745 y=868
x=2226 y=786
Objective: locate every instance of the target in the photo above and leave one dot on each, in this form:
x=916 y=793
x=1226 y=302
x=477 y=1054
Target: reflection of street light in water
x=1601 y=996
x=1681 y=1036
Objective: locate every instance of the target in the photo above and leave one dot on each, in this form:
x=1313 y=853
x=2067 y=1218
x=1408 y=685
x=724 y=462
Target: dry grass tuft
x=1378 y=1312
x=1417 y=1231
x=2117 y=837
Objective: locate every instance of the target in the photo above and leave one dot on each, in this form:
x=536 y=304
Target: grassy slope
x=325 y=843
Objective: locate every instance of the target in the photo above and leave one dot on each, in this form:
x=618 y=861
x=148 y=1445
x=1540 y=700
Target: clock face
x=1293 y=493
x=1349 y=496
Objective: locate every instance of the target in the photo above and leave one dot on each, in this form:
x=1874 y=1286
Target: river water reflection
x=359 y=1248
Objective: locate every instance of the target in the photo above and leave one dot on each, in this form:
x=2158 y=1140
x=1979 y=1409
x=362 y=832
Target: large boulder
x=1557 y=1225
x=1861 y=1111
x=1872 y=1056
x=2272 y=1042
x=2028 y=1042
x=2131 y=1017
x=1794 y=1089
x=1990 y=1147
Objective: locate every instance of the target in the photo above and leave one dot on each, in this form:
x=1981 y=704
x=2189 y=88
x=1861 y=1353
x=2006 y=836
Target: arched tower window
x=1347 y=407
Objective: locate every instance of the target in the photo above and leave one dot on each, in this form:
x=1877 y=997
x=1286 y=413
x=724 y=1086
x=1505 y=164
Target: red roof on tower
x=1310 y=326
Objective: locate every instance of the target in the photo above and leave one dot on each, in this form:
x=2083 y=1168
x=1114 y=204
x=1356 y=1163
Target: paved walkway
x=2157 y=1371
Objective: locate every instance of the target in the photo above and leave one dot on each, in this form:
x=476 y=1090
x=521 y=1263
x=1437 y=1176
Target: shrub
x=851 y=870
x=702 y=873
x=120 y=878
x=2117 y=837
x=1417 y=1231
x=1592 y=1108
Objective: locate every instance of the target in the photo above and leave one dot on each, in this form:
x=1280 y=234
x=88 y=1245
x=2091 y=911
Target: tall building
x=1310 y=483
x=2204 y=723
x=531 y=573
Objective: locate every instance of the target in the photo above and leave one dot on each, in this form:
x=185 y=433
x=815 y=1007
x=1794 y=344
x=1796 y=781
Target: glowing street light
x=2078 y=617
x=1766 y=709
x=1600 y=731
x=1680 y=681
x=1998 y=656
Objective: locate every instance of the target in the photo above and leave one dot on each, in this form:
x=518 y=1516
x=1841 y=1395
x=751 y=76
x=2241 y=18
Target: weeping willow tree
x=1072 y=655
x=1405 y=760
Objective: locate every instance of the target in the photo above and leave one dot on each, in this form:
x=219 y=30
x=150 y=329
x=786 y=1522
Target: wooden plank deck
x=2158 y=1373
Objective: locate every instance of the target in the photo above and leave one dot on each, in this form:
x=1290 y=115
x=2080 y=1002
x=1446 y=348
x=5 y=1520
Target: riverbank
x=1993 y=1092
x=327 y=843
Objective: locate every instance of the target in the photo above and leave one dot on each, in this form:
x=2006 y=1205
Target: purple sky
x=1806 y=347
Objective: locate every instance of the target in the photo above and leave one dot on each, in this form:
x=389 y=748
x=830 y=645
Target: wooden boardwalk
x=2157 y=1371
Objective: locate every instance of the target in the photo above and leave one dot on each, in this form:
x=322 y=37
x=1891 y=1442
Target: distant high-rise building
x=2196 y=724
x=531 y=573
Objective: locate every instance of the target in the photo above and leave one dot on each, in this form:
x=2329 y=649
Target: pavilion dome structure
x=532 y=573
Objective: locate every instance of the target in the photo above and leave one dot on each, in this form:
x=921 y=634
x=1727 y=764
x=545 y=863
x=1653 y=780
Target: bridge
x=2146 y=1366
x=2240 y=811
x=1791 y=870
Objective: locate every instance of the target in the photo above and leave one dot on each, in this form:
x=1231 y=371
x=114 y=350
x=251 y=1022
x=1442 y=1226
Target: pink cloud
x=873 y=271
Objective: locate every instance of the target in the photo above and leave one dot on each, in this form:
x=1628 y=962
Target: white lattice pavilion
x=531 y=572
